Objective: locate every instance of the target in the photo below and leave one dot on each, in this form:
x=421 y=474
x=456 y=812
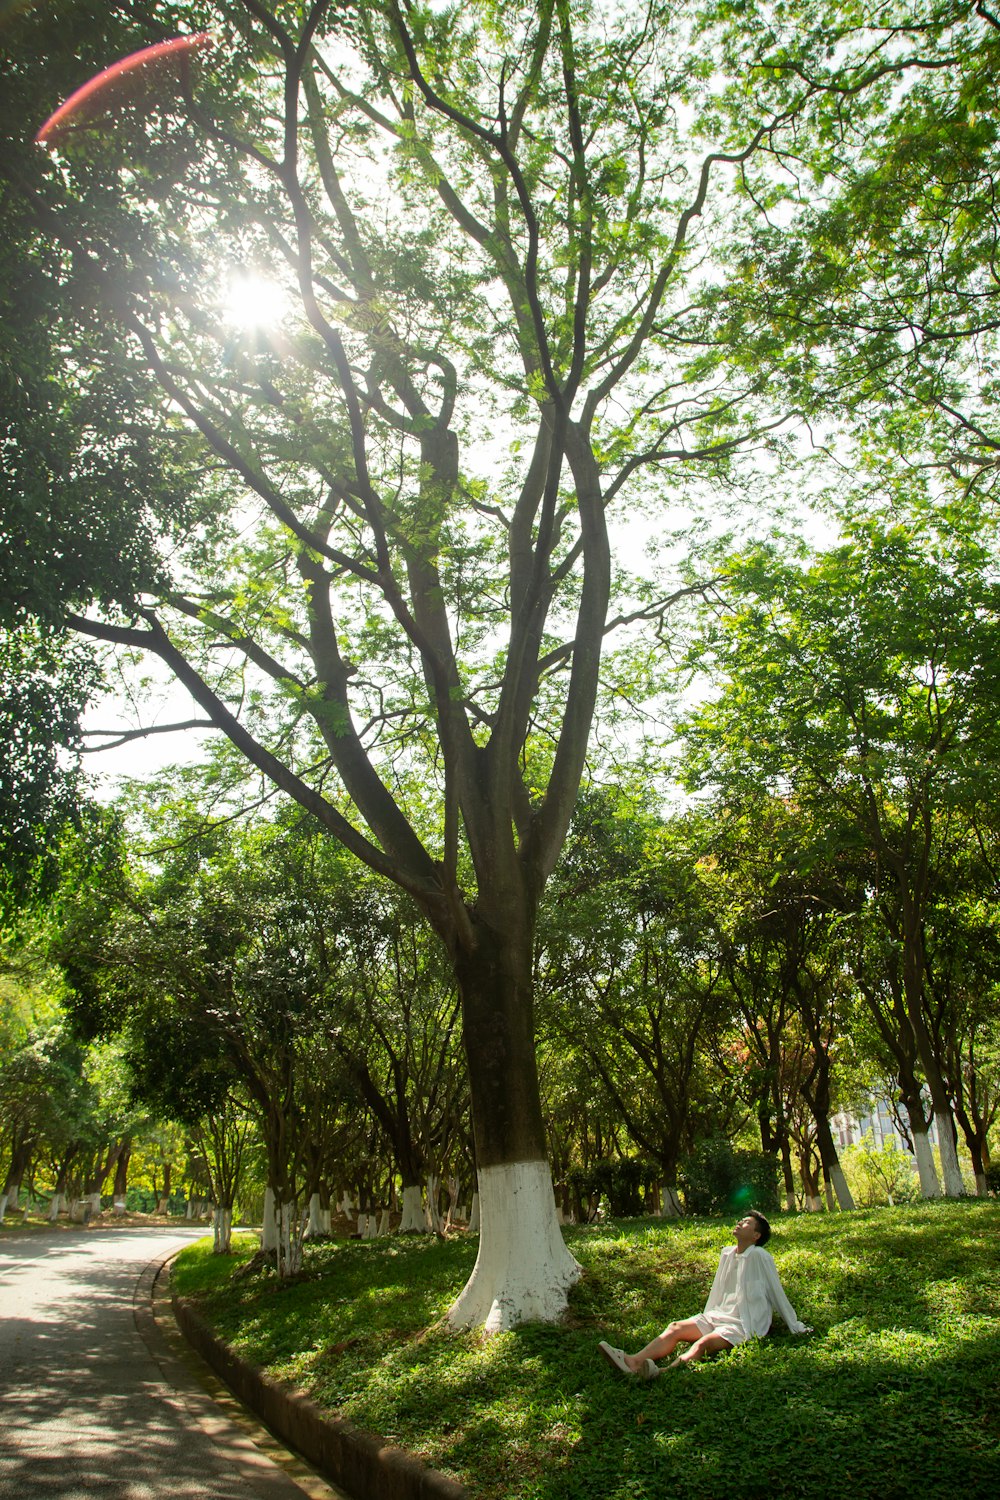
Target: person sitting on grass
x=745 y=1293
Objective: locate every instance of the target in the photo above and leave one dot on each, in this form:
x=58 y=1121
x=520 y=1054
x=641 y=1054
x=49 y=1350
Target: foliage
x=718 y=1179
x=619 y=1181
x=907 y=1315
x=880 y=1174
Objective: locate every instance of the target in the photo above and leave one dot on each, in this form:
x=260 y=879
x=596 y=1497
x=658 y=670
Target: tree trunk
x=913 y=991
x=523 y=1269
x=414 y=1220
x=315 y=1224
x=833 y=1173
x=269 y=1228
x=222 y=1229
x=289 y=1248
x=930 y=1187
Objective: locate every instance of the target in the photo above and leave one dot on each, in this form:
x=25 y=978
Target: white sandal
x=616 y=1358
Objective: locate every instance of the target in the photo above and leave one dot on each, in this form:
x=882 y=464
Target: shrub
x=880 y=1175
x=619 y=1181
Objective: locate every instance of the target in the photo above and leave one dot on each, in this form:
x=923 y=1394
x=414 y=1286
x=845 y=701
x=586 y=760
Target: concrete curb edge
x=359 y=1462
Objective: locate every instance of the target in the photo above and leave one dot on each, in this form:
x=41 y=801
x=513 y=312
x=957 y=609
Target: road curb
x=364 y=1465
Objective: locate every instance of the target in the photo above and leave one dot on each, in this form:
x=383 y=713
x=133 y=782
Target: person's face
x=747 y=1231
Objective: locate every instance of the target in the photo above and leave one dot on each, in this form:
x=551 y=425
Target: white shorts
x=726 y=1328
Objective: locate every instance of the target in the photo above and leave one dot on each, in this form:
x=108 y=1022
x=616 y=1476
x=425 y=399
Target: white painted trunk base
x=3 y=1206
x=222 y=1230
x=843 y=1192
x=54 y=1206
x=383 y=1223
x=671 y=1204
x=950 y=1170
x=315 y=1224
x=434 y=1225
x=290 y=1232
x=269 y=1229
x=414 y=1220
x=930 y=1187
x=523 y=1270
x=814 y=1204
x=473 y=1225
x=790 y=1202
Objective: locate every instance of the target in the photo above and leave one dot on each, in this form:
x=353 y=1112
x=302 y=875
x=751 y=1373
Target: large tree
x=394 y=579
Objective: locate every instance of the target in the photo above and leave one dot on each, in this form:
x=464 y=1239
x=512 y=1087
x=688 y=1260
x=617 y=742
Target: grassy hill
x=897 y=1390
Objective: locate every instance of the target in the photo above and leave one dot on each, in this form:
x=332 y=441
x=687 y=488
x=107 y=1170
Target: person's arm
x=776 y=1292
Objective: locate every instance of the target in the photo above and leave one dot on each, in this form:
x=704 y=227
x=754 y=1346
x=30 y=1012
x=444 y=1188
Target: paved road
x=94 y=1405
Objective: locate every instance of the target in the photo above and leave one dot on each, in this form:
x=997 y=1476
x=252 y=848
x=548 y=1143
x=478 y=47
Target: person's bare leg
x=665 y=1343
x=707 y=1343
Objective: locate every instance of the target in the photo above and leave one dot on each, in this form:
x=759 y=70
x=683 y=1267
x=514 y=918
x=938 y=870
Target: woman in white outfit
x=745 y=1294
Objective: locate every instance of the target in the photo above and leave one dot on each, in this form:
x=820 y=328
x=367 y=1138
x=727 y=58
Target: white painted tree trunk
x=189 y=1210
x=315 y=1224
x=362 y=1226
x=950 y=1170
x=452 y=1214
x=269 y=1229
x=290 y=1232
x=474 y=1214
x=814 y=1204
x=383 y=1223
x=346 y=1205
x=671 y=1208
x=120 y=1206
x=413 y=1220
x=95 y=1204
x=790 y=1202
x=434 y=1224
x=222 y=1230
x=828 y=1191
x=54 y=1206
x=325 y=1220
x=930 y=1187
x=844 y=1196
x=523 y=1270
x=3 y=1206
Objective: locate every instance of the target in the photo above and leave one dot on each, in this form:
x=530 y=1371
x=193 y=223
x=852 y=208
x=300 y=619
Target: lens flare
x=128 y=76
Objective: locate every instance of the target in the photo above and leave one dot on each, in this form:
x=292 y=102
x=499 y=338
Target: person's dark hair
x=762 y=1225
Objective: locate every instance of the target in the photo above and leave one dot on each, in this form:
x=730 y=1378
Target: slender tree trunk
x=269 y=1228
x=913 y=991
x=222 y=1229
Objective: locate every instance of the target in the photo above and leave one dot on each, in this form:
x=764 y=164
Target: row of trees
x=815 y=929
x=541 y=263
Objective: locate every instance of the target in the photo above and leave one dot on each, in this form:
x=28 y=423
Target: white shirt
x=747 y=1290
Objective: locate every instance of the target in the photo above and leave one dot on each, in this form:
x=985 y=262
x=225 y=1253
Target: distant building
x=879 y=1122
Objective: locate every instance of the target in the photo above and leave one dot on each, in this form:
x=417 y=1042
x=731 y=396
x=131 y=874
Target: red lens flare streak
x=81 y=102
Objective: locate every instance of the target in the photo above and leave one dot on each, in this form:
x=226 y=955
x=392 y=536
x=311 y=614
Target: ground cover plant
x=896 y=1389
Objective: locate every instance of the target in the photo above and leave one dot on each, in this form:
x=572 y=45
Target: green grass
x=898 y=1389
